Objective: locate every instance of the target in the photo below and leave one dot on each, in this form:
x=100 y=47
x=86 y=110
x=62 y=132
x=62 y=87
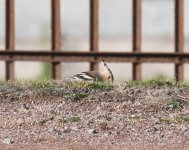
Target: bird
x=105 y=76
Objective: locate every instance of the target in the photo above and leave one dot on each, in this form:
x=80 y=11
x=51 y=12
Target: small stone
x=51 y=130
x=8 y=141
x=67 y=130
x=92 y=131
x=102 y=126
x=107 y=134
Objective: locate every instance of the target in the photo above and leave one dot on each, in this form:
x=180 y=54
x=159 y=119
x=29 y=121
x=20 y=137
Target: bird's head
x=107 y=74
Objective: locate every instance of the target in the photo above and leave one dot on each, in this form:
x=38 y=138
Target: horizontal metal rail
x=74 y=56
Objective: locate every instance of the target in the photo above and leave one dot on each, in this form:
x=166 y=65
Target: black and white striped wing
x=86 y=76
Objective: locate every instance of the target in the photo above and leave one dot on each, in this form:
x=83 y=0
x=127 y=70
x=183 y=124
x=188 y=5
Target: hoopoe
x=105 y=76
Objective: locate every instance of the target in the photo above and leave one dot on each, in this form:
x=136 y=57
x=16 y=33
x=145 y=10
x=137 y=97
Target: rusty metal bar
x=73 y=56
x=136 y=12
x=179 y=37
x=9 y=37
x=55 y=37
x=94 y=46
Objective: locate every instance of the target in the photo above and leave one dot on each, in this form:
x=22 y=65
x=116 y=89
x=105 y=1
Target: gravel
x=119 y=118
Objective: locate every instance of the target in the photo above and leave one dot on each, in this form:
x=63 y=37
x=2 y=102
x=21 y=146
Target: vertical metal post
x=136 y=36
x=179 y=37
x=94 y=25
x=55 y=36
x=9 y=37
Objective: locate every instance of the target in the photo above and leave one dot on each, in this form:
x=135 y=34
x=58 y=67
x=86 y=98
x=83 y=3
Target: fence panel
x=179 y=37
x=94 y=25
x=9 y=37
x=55 y=56
x=55 y=37
x=136 y=37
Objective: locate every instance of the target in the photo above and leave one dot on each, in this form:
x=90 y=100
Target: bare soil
x=92 y=119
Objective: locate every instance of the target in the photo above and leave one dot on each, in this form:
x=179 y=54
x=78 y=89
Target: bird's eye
x=109 y=77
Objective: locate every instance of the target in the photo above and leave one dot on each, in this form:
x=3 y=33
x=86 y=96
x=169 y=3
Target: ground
x=58 y=115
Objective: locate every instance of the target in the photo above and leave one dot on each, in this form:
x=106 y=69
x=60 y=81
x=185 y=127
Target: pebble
x=107 y=134
x=92 y=131
x=67 y=130
x=51 y=130
x=8 y=141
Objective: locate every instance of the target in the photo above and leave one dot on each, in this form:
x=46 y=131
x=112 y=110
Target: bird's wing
x=87 y=76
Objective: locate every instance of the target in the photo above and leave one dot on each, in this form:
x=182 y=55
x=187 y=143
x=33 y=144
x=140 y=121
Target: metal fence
x=55 y=56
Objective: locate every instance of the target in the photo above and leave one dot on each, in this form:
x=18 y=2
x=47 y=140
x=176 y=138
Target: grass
x=49 y=84
x=165 y=120
x=73 y=119
x=62 y=119
x=79 y=96
x=156 y=82
x=90 y=85
x=41 y=84
x=173 y=104
x=44 y=83
x=2 y=82
x=176 y=119
x=46 y=72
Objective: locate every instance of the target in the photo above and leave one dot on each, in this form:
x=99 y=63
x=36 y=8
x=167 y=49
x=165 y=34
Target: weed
x=78 y=96
x=160 y=82
x=181 y=119
x=165 y=120
x=2 y=82
x=173 y=104
x=62 y=119
x=101 y=86
x=74 y=119
x=42 y=84
x=90 y=85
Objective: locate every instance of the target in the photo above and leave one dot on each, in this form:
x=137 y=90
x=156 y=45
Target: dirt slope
x=93 y=119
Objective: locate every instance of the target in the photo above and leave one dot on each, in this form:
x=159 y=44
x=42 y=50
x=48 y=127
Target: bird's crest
x=108 y=70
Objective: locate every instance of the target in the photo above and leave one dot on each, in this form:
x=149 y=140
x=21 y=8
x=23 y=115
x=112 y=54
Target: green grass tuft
x=74 y=119
x=90 y=85
x=181 y=119
x=165 y=120
x=101 y=86
x=156 y=82
x=79 y=96
x=42 y=84
x=173 y=104
x=2 y=82
x=62 y=119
